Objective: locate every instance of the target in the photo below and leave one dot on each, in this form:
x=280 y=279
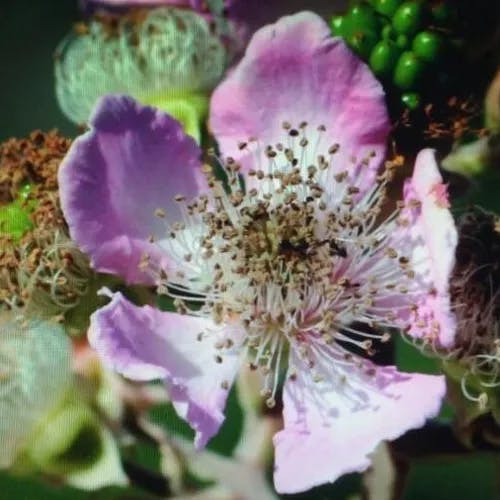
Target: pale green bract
x=169 y=54
x=34 y=378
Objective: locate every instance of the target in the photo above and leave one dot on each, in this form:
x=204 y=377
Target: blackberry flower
x=288 y=266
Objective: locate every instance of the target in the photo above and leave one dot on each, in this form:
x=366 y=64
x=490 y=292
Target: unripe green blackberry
x=408 y=18
x=383 y=57
x=401 y=41
x=386 y=7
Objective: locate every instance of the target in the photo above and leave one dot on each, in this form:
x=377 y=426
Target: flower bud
x=34 y=378
x=166 y=57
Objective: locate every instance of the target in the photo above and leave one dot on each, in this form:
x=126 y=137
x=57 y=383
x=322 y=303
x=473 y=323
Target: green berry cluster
x=401 y=40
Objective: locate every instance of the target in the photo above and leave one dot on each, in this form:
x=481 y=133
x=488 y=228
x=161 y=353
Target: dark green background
x=29 y=32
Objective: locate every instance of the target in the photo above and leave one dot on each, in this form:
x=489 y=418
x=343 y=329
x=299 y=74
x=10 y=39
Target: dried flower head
x=41 y=268
x=475 y=291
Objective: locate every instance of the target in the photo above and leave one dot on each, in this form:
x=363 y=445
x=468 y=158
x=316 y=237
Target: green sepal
x=468 y=409
x=470 y=160
x=68 y=440
x=190 y=109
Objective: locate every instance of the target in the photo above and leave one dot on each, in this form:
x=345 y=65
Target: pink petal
x=295 y=71
x=331 y=430
x=133 y=160
x=143 y=343
x=431 y=243
x=438 y=228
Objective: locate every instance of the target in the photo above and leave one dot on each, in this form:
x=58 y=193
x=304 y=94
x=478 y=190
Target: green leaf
x=471 y=476
x=24 y=488
x=166 y=416
x=228 y=437
x=68 y=441
x=410 y=359
x=224 y=442
x=145 y=454
x=485 y=191
x=345 y=488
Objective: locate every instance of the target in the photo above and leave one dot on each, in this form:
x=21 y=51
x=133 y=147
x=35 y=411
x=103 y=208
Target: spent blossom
x=475 y=290
x=166 y=57
x=290 y=266
x=41 y=269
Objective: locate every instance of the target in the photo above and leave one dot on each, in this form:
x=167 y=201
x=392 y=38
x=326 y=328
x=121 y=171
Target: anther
x=386 y=336
x=341 y=176
x=333 y=149
x=391 y=253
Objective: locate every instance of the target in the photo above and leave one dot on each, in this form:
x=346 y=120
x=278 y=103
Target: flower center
x=296 y=258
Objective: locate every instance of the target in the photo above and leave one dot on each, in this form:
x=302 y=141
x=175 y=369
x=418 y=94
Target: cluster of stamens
x=273 y=250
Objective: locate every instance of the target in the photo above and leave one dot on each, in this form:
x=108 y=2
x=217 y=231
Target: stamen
x=293 y=263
